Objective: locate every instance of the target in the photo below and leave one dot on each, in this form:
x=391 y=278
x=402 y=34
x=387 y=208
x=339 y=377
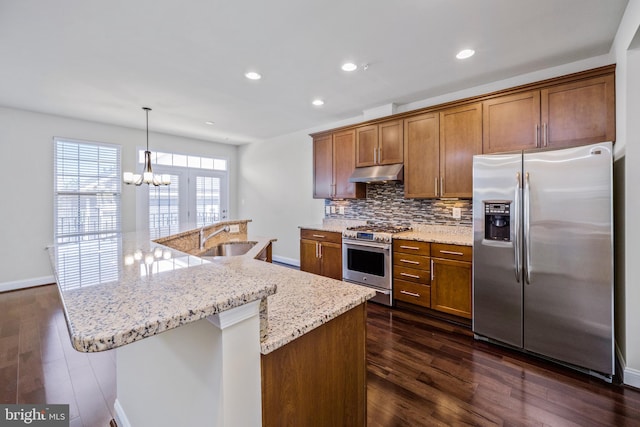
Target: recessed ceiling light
x=349 y=66
x=465 y=53
x=209 y=122
x=252 y=75
x=317 y=102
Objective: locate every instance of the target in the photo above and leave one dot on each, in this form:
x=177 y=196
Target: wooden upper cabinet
x=390 y=142
x=323 y=166
x=366 y=145
x=558 y=116
x=379 y=144
x=460 y=140
x=579 y=113
x=422 y=156
x=333 y=164
x=344 y=153
x=511 y=122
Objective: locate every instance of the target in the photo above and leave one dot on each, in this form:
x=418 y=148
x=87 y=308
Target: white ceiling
x=104 y=60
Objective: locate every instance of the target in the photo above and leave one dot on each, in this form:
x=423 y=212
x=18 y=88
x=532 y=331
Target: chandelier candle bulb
x=127 y=177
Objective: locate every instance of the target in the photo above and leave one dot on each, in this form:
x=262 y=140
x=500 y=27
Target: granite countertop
x=305 y=301
x=453 y=235
x=122 y=288
x=450 y=234
x=302 y=302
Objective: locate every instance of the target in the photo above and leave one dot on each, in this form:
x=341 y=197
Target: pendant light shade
x=147 y=176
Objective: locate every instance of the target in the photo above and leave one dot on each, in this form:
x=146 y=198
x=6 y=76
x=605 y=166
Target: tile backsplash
x=385 y=203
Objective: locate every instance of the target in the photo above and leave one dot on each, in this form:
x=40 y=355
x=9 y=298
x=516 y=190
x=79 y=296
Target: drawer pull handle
x=410 y=262
x=412 y=294
x=410 y=275
x=319 y=236
x=413 y=248
x=452 y=253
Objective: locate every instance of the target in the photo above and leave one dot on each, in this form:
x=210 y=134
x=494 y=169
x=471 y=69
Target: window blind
x=207 y=200
x=164 y=209
x=87 y=189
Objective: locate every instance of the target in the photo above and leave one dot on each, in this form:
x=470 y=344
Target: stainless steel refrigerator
x=543 y=254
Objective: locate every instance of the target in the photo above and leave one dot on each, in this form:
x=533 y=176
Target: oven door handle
x=368 y=245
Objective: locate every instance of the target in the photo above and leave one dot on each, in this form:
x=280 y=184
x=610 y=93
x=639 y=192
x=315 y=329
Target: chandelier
x=147 y=176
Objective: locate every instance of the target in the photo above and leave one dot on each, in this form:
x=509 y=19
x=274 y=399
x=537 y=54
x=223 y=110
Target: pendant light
x=147 y=176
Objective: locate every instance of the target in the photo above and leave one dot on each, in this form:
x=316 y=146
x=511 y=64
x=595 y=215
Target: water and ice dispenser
x=497 y=223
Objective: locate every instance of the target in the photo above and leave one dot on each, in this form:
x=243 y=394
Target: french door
x=194 y=198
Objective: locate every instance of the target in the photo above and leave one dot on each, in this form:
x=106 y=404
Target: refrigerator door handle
x=516 y=229
x=527 y=221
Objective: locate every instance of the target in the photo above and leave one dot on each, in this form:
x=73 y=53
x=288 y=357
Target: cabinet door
x=344 y=163
x=331 y=260
x=390 y=150
x=421 y=154
x=451 y=287
x=309 y=260
x=366 y=145
x=579 y=113
x=323 y=166
x=511 y=122
x=460 y=140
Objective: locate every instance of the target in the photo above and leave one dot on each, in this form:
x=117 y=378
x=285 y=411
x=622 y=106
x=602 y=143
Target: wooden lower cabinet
x=321 y=253
x=433 y=275
x=319 y=379
x=451 y=287
x=411 y=272
x=451 y=279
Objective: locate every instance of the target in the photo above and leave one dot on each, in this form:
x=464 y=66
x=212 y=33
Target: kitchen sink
x=229 y=249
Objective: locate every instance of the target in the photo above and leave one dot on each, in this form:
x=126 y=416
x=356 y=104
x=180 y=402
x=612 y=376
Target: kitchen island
x=188 y=332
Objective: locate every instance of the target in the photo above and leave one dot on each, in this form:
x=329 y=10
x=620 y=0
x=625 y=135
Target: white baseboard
x=121 y=417
x=27 y=283
x=285 y=260
x=632 y=377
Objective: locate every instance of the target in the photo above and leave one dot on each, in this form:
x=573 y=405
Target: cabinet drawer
x=457 y=252
x=321 y=236
x=412 y=275
x=412 y=293
x=411 y=247
x=412 y=261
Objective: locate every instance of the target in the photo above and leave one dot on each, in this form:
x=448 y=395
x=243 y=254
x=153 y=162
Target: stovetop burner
x=371 y=228
x=373 y=233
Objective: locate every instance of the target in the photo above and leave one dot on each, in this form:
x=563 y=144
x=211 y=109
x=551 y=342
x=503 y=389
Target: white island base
x=205 y=373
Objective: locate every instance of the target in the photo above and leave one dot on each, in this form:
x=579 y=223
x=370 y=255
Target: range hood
x=378 y=173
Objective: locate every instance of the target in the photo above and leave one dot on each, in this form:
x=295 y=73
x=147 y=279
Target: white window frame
x=115 y=192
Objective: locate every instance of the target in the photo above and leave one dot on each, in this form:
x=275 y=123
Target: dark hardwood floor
x=421 y=372
x=425 y=372
x=38 y=364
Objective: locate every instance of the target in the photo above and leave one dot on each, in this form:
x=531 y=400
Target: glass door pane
x=164 y=209
x=210 y=197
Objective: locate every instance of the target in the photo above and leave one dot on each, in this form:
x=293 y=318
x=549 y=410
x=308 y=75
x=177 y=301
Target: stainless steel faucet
x=215 y=233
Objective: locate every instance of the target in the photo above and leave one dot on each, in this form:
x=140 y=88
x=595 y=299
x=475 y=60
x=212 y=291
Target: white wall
x=26 y=154
x=628 y=147
x=276 y=186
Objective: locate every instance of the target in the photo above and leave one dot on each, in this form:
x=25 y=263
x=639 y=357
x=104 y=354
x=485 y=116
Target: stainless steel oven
x=368 y=263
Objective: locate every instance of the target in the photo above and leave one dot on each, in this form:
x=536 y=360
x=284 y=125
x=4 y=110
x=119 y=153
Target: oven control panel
x=362 y=235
